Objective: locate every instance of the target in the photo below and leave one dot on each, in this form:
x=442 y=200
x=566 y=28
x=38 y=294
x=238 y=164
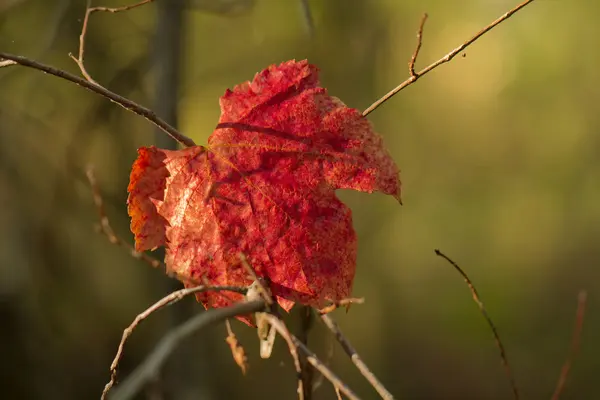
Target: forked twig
x=485 y=314
x=150 y=367
x=356 y=359
x=84 y=28
x=575 y=342
x=168 y=300
x=295 y=344
x=413 y=59
x=414 y=76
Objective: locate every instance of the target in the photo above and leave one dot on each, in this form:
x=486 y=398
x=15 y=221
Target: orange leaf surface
x=265 y=187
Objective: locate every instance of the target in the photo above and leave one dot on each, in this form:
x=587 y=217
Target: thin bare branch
x=79 y=60
x=295 y=344
x=356 y=359
x=127 y=104
x=414 y=77
x=489 y=321
x=162 y=303
x=575 y=342
x=293 y=348
x=413 y=59
x=150 y=367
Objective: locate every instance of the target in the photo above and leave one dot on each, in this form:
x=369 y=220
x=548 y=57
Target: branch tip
x=488 y=319
x=414 y=76
x=413 y=59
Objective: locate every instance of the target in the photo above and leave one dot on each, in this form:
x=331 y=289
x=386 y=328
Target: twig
x=121 y=8
x=164 y=302
x=413 y=78
x=84 y=28
x=344 y=302
x=293 y=348
x=295 y=344
x=413 y=59
x=127 y=104
x=575 y=342
x=265 y=292
x=7 y=63
x=79 y=60
x=362 y=367
x=485 y=314
x=153 y=362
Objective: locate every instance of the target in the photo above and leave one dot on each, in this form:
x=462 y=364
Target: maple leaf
x=264 y=187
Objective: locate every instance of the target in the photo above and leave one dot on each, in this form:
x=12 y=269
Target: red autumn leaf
x=265 y=187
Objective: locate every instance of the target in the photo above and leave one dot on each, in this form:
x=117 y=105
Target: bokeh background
x=500 y=159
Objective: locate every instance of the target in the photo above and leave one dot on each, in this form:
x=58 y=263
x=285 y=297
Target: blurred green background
x=500 y=160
